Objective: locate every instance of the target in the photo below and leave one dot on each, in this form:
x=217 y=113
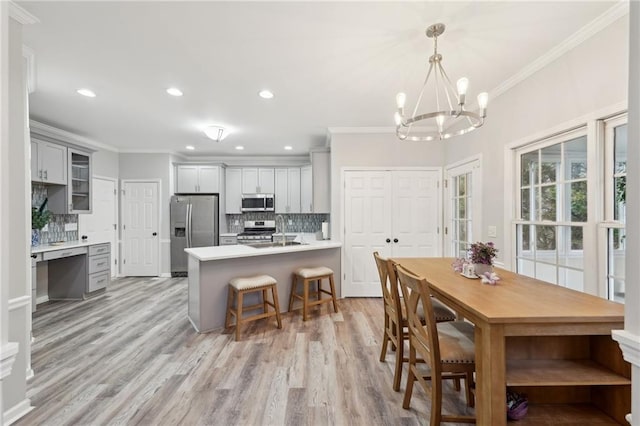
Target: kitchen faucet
x=280 y=218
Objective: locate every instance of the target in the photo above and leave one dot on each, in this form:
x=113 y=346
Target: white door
x=101 y=224
x=367 y=217
x=140 y=229
x=394 y=212
x=462 y=207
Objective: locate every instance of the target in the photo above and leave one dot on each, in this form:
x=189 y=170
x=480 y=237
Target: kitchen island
x=211 y=268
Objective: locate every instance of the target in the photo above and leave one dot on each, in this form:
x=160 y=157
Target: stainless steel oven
x=258 y=203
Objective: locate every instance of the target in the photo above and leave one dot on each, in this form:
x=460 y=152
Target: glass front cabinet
x=75 y=197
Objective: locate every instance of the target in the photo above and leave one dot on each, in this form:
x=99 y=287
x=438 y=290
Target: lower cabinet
x=228 y=240
x=99 y=269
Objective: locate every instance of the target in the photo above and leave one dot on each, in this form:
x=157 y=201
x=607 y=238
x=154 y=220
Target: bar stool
x=238 y=287
x=309 y=275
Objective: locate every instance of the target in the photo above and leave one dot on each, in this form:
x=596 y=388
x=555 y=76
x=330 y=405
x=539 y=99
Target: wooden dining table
x=549 y=342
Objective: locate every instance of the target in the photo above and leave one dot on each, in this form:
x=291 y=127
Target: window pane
x=462 y=226
x=617 y=290
x=546 y=273
x=462 y=186
x=575 y=156
x=548 y=202
x=526 y=267
x=577 y=242
x=525 y=238
x=619 y=203
x=525 y=204
x=550 y=157
x=577 y=210
x=463 y=249
x=571 y=236
x=462 y=211
x=620 y=143
x=529 y=168
x=546 y=238
x=469 y=182
x=619 y=236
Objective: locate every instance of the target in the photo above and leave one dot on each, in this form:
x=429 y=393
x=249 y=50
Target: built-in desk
x=551 y=343
x=74 y=270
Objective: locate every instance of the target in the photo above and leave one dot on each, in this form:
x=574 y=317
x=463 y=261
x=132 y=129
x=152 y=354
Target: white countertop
x=239 y=250
x=229 y=234
x=66 y=245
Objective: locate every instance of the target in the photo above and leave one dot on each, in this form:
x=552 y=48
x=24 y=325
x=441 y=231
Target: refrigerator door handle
x=188 y=223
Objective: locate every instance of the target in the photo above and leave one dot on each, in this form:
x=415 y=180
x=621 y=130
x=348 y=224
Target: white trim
x=629 y=344
x=8 y=353
x=53 y=132
x=157 y=181
x=19 y=302
x=30 y=373
x=614 y=13
x=29 y=55
x=17 y=411
x=42 y=299
x=165 y=275
x=147 y=151
x=21 y=15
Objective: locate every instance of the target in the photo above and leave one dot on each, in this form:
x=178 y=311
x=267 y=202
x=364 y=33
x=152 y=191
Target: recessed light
x=174 y=91
x=190 y=147
x=288 y=148
x=266 y=94
x=86 y=92
x=239 y=147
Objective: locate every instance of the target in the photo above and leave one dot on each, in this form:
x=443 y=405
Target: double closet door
x=394 y=212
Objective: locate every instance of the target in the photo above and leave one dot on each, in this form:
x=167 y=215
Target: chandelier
x=450 y=118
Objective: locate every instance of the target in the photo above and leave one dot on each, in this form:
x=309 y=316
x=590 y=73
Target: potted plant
x=481 y=255
x=39 y=218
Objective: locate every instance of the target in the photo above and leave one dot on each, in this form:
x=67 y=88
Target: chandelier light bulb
x=401 y=98
x=397 y=118
x=440 y=121
x=463 y=85
x=483 y=100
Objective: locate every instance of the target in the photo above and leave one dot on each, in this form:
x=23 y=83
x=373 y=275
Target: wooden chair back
x=389 y=284
x=424 y=338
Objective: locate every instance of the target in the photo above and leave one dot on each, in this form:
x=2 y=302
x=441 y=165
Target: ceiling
x=330 y=64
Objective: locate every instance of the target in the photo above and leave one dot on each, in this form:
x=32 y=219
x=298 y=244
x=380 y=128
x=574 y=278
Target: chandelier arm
x=445 y=79
x=454 y=89
x=424 y=85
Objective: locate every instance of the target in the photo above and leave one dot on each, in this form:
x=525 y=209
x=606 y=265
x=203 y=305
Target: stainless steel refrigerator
x=194 y=223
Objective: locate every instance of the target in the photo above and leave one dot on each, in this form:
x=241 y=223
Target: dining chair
x=395 y=318
x=447 y=348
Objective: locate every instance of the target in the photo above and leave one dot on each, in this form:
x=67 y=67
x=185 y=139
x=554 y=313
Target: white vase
x=481 y=268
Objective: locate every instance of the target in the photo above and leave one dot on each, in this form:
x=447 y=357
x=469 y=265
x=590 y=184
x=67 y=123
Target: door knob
x=395 y=240
x=388 y=240
x=154 y=234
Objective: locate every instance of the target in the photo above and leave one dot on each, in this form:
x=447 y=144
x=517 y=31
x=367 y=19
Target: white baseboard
x=42 y=299
x=165 y=275
x=17 y=411
x=30 y=373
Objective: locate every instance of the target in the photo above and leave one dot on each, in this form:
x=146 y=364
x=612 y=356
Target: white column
x=629 y=338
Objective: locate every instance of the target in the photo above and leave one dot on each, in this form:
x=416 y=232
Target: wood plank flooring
x=130 y=356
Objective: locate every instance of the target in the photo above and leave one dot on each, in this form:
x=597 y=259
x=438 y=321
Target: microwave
x=258 y=203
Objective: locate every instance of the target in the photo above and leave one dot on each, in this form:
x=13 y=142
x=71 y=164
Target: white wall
x=106 y=164
x=153 y=166
x=586 y=79
x=374 y=150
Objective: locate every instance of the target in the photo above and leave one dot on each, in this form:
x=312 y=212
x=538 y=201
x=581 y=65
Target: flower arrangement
x=39 y=216
x=482 y=253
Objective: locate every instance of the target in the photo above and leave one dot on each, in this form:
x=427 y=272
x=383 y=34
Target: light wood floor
x=131 y=357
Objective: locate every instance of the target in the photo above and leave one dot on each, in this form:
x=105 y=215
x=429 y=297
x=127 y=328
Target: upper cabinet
x=75 y=197
x=197 y=179
x=321 y=177
x=48 y=162
x=233 y=190
x=306 y=190
x=287 y=190
x=258 y=180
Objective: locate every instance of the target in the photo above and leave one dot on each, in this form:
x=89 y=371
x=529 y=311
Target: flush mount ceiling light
x=190 y=147
x=86 y=92
x=239 y=147
x=288 y=148
x=216 y=133
x=174 y=91
x=266 y=94
x=448 y=120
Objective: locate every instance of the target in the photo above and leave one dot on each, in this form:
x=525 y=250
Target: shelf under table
x=560 y=372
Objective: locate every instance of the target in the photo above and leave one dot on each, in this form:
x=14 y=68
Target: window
x=553 y=201
x=462 y=185
x=615 y=206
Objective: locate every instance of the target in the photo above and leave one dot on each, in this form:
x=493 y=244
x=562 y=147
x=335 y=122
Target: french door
x=394 y=212
x=140 y=228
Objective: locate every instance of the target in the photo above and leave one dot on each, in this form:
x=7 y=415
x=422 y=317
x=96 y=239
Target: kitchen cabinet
x=192 y=179
x=48 y=162
x=99 y=269
x=306 y=190
x=258 y=181
x=228 y=240
x=287 y=190
x=75 y=197
x=321 y=181
x=233 y=191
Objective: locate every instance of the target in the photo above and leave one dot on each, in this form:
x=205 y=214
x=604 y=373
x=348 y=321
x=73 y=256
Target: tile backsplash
x=55 y=229
x=300 y=222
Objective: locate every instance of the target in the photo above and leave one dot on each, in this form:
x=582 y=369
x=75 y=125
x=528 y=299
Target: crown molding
x=55 y=133
x=21 y=15
x=29 y=55
x=612 y=14
x=148 y=151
